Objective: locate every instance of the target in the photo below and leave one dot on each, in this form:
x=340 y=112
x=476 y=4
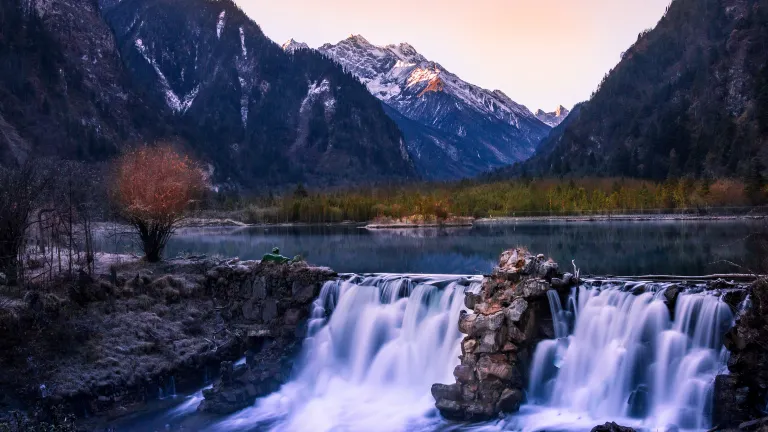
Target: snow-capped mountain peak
x=553 y=118
x=291 y=46
x=495 y=129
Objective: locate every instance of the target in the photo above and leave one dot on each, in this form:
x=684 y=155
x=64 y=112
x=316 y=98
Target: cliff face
x=510 y=317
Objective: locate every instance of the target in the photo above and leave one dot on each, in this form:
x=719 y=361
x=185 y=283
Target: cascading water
x=369 y=364
x=627 y=360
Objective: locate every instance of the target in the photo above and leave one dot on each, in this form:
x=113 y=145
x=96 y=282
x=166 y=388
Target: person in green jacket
x=275 y=257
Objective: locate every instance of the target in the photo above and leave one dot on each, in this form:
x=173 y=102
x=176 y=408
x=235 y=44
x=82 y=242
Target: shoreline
x=666 y=217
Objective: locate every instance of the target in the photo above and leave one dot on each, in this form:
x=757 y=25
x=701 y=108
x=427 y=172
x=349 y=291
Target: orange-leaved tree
x=153 y=188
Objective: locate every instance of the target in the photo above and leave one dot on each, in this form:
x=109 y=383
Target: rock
x=470 y=300
x=256 y=339
x=534 y=288
x=501 y=333
x=612 y=427
x=730 y=402
x=670 y=295
x=734 y=298
x=468 y=346
x=639 y=403
x=510 y=400
x=488 y=366
x=463 y=373
x=450 y=392
x=516 y=310
x=754 y=425
x=269 y=310
x=476 y=324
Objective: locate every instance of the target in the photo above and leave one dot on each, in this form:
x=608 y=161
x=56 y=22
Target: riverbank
x=107 y=345
x=469 y=221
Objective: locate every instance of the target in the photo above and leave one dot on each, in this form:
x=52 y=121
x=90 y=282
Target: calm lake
x=598 y=248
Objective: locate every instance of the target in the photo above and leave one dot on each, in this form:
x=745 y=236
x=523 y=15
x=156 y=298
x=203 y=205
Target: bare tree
x=20 y=192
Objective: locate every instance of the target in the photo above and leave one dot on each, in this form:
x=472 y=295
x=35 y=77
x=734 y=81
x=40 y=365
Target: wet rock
x=470 y=300
x=450 y=392
x=639 y=403
x=730 y=402
x=510 y=401
x=755 y=425
x=740 y=396
x=463 y=373
x=734 y=298
x=516 y=310
x=612 y=427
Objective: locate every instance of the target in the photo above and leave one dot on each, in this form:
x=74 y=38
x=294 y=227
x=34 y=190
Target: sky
x=541 y=53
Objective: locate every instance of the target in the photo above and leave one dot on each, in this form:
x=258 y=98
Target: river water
x=599 y=248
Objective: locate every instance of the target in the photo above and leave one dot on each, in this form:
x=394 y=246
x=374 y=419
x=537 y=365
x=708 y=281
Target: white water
x=621 y=343
x=370 y=366
x=376 y=345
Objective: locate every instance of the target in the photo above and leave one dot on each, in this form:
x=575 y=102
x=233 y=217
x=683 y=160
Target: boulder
x=516 y=310
x=612 y=427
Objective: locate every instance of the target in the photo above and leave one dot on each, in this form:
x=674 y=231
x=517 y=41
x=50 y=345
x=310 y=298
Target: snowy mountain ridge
x=465 y=129
x=553 y=118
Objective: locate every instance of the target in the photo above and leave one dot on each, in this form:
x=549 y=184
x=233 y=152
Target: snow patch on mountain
x=221 y=23
x=176 y=103
x=242 y=43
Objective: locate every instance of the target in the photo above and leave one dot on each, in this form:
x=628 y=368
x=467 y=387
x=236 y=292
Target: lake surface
x=598 y=248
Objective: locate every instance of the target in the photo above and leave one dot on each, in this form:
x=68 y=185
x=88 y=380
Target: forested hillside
x=690 y=97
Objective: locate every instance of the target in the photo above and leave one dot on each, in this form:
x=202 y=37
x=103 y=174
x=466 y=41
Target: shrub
x=153 y=187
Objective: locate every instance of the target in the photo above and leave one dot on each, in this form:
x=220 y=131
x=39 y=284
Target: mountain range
x=84 y=81
x=453 y=129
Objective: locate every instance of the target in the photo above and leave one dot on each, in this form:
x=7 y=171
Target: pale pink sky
x=541 y=53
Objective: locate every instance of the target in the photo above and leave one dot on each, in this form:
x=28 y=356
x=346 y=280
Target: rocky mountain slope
x=63 y=89
x=553 y=118
x=690 y=97
x=453 y=129
x=80 y=80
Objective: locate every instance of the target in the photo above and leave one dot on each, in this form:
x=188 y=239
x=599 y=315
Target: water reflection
x=600 y=248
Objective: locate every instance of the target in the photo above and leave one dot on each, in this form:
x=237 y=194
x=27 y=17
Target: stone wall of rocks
x=510 y=315
x=269 y=305
x=742 y=395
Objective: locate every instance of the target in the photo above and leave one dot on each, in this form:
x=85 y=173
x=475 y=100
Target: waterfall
x=627 y=360
x=375 y=346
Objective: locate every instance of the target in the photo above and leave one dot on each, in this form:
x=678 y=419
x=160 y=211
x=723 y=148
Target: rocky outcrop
x=110 y=343
x=271 y=303
x=510 y=315
x=741 y=395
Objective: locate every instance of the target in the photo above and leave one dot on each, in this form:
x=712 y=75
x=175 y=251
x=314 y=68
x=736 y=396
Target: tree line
x=519 y=197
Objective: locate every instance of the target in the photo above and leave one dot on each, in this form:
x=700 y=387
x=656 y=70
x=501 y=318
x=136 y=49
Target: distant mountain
x=291 y=46
x=689 y=97
x=453 y=129
x=554 y=118
x=82 y=80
